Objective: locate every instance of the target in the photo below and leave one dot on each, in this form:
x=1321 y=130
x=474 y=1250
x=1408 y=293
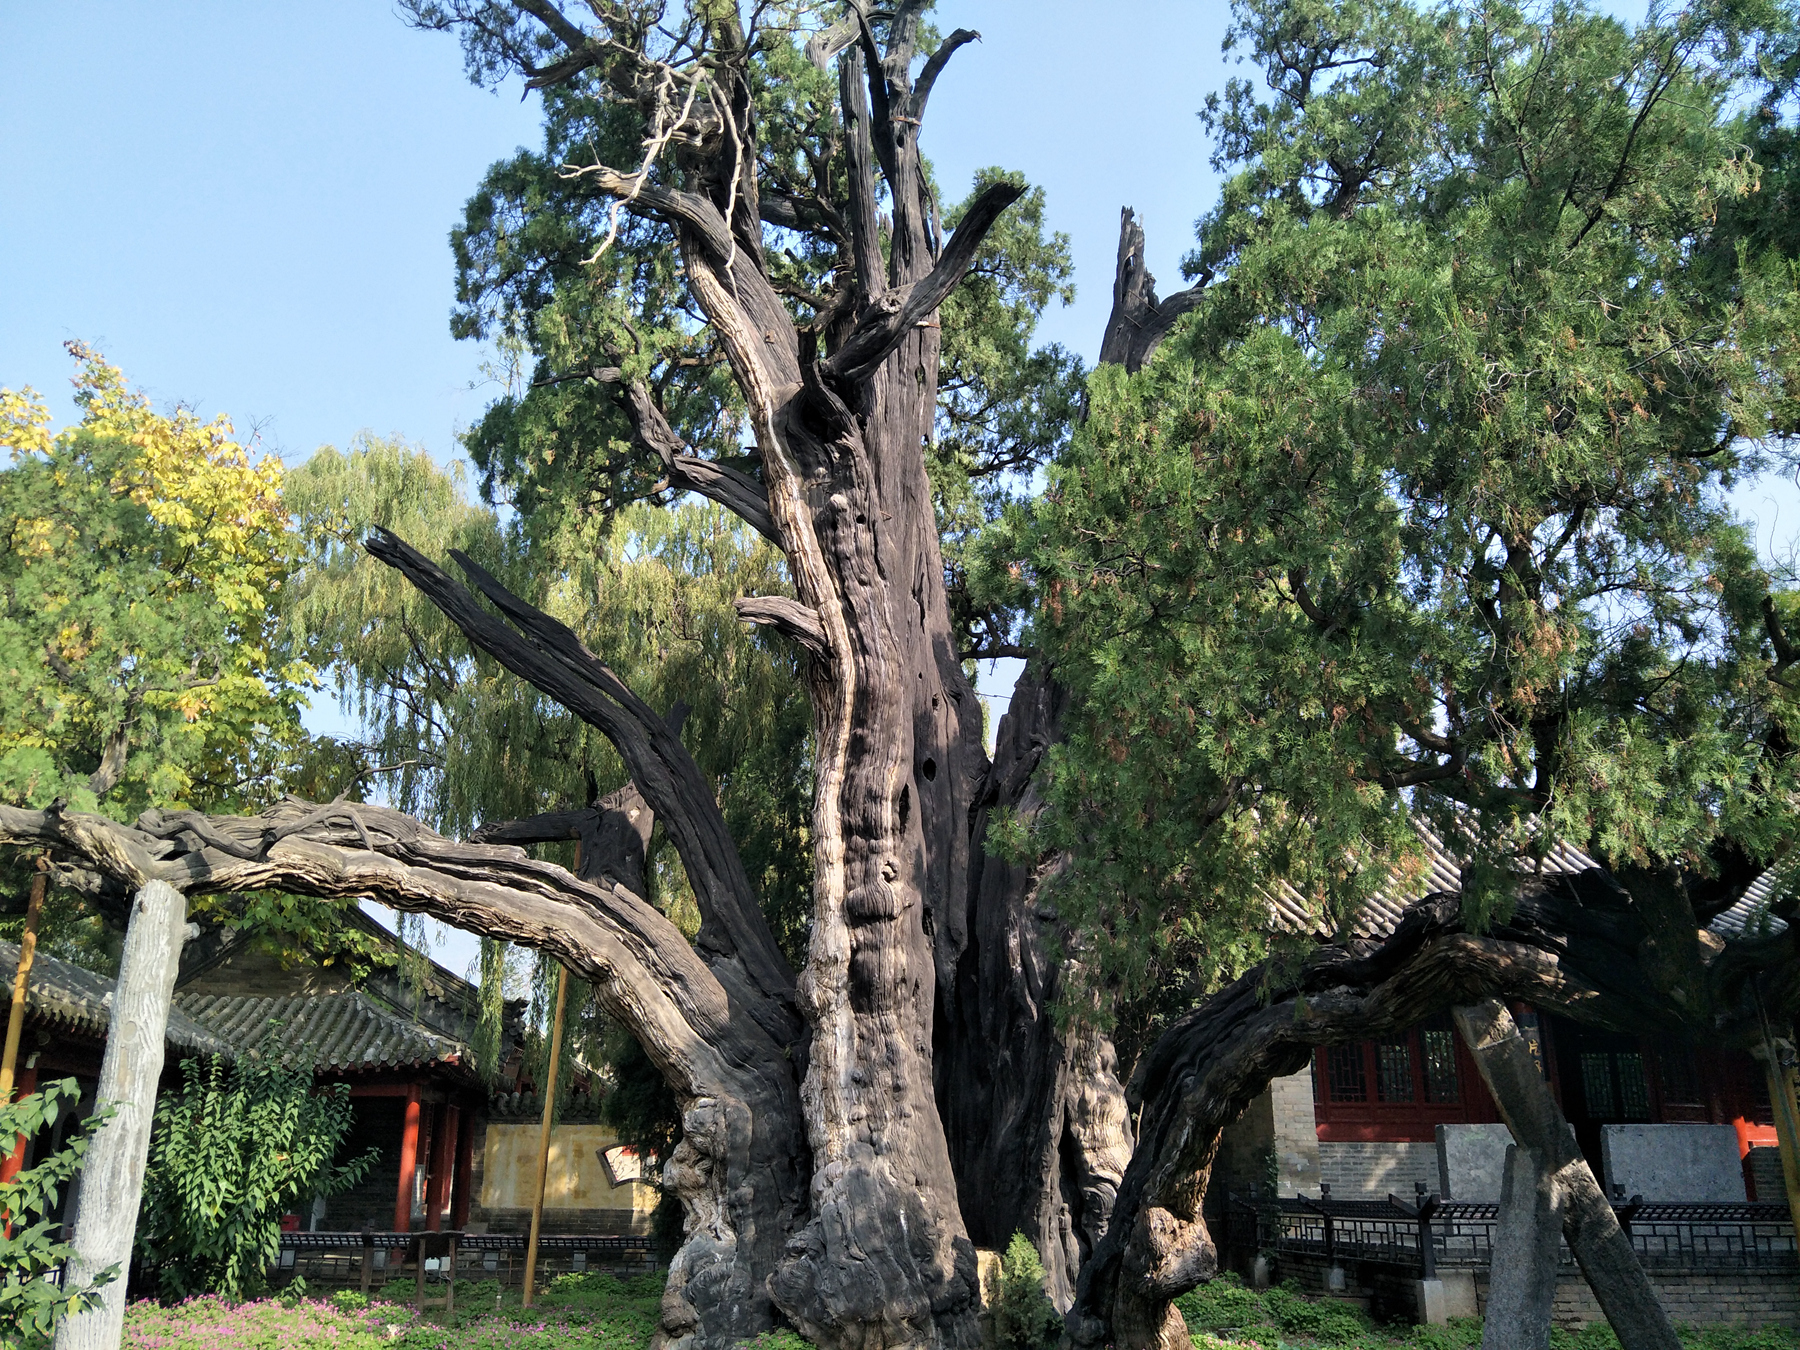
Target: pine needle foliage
x=1421 y=517
x=1024 y=1316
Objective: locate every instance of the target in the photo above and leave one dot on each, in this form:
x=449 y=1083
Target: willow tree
x=732 y=278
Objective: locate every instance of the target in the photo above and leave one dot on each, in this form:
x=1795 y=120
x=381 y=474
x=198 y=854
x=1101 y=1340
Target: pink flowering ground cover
x=585 y=1312
x=212 y=1323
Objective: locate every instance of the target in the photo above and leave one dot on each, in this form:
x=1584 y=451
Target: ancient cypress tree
x=731 y=274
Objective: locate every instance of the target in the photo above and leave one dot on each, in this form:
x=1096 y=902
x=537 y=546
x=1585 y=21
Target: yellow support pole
x=543 y=1166
x=1787 y=1123
x=15 y=1021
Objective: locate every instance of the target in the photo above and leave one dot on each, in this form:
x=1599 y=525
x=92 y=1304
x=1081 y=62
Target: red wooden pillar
x=12 y=1162
x=465 y=1170
x=443 y=1158
x=409 y=1163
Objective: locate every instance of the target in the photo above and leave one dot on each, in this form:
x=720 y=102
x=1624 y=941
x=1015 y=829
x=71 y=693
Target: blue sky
x=247 y=206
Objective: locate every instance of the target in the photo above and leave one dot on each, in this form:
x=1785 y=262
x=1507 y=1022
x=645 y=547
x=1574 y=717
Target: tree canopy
x=1421 y=518
x=144 y=557
x=1406 y=516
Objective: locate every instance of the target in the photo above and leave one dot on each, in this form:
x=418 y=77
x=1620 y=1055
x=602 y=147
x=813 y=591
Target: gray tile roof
x=1750 y=917
x=344 y=1032
x=64 y=994
x=1439 y=874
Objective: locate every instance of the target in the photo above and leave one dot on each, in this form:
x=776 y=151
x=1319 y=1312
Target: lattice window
x=1344 y=1066
x=1597 y=1085
x=1441 y=1084
x=1393 y=1065
x=1634 y=1086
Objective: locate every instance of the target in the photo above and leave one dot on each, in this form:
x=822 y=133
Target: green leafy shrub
x=782 y=1339
x=1225 y=1304
x=1024 y=1316
x=230 y=1153
x=30 y=1307
x=1320 y=1319
x=1220 y=1303
x=1462 y=1333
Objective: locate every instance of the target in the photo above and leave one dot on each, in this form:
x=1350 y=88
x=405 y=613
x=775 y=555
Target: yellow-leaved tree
x=141 y=555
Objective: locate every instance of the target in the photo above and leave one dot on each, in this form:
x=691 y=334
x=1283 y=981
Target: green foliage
x=142 y=559
x=298 y=930
x=230 y=1153
x=1420 y=517
x=783 y=1339
x=1226 y=1304
x=1460 y=1333
x=1024 y=1316
x=144 y=556
x=1320 y=1319
x=1003 y=408
x=31 y=1306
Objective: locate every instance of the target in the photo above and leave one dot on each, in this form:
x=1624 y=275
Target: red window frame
x=1337 y=1068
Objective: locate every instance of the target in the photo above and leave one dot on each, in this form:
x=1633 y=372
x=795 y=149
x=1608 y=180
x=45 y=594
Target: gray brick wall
x=1703 y=1299
x=1765 y=1172
x=1357 y=1169
x=1708 y=1298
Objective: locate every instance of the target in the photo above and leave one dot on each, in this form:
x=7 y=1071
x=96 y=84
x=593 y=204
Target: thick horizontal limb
x=352 y=851
x=551 y=658
x=740 y=1168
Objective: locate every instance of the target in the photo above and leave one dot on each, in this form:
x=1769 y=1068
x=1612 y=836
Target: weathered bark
x=614 y=835
x=734 y=937
x=1139 y=321
x=839 y=413
x=1039 y=1131
x=1527 y=1252
x=112 y=1181
x=1601 y=1248
x=1570 y=947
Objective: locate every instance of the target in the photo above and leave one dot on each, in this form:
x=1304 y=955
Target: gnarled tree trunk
x=1572 y=945
x=849 y=1128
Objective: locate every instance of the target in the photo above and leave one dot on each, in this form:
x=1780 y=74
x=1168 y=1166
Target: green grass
x=600 y=1312
x=1227 y=1315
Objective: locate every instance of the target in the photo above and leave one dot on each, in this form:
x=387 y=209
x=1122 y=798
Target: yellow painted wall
x=575 y=1179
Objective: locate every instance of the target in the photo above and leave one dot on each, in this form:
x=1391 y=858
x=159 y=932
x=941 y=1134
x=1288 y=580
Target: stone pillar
x=113 y=1175
x=1604 y=1253
x=1527 y=1247
x=1295 y=1133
